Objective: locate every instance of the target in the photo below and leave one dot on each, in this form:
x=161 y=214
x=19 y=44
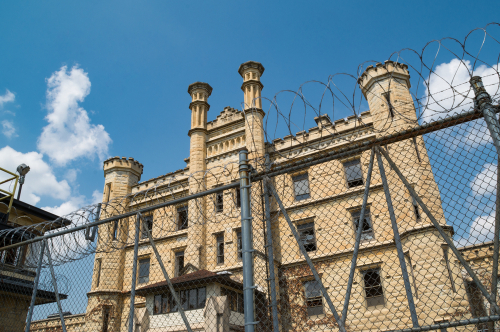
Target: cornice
x=200 y=102
x=251 y=64
x=251 y=82
x=194 y=130
x=200 y=85
x=255 y=110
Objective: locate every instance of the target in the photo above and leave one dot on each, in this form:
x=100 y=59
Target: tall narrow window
x=219 y=201
x=307 y=236
x=353 y=173
x=108 y=192
x=115 y=230
x=416 y=149
x=373 y=287
x=238 y=245
x=448 y=268
x=301 y=186
x=98 y=263
x=10 y=256
x=220 y=249
x=238 y=197
x=143 y=270
x=182 y=217
x=366 y=228
x=387 y=96
x=146 y=225
x=179 y=263
x=412 y=273
x=314 y=301
x=416 y=209
x=105 y=318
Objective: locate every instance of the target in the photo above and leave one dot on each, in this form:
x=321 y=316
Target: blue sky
x=140 y=57
x=126 y=65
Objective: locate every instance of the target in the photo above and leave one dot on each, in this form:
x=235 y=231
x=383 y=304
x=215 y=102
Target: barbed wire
x=342 y=100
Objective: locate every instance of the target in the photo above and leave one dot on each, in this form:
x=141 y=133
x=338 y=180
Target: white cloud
x=441 y=99
x=8 y=129
x=481 y=230
x=485 y=182
x=8 y=97
x=75 y=203
x=69 y=134
x=40 y=181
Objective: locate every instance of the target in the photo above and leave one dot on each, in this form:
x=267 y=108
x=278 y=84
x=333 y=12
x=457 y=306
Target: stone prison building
x=200 y=241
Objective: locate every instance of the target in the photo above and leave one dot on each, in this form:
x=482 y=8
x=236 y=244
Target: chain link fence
x=391 y=223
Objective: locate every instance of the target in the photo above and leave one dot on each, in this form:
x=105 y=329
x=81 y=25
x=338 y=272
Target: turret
x=251 y=72
x=386 y=88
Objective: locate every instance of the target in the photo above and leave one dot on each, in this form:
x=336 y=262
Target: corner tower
x=105 y=299
x=251 y=73
x=386 y=87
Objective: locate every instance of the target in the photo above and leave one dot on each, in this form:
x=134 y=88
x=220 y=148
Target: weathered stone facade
x=214 y=147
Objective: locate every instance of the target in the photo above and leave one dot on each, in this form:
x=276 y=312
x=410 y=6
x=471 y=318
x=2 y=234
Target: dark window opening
x=115 y=230
x=239 y=245
x=366 y=229
x=219 y=201
x=387 y=97
x=416 y=149
x=146 y=225
x=234 y=299
x=416 y=209
x=301 y=187
x=98 y=272
x=182 y=218
x=353 y=173
x=11 y=256
x=307 y=236
x=190 y=299
x=179 y=263
x=373 y=287
x=314 y=300
x=412 y=272
x=143 y=270
x=450 y=274
x=220 y=249
x=105 y=318
x=238 y=197
x=108 y=192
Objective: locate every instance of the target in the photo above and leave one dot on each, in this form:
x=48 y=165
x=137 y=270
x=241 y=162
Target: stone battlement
x=382 y=70
x=229 y=114
x=123 y=163
x=325 y=127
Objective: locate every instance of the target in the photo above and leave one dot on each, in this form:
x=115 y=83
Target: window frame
x=235 y=299
x=369 y=221
x=239 y=245
x=368 y=300
x=305 y=227
x=309 y=300
x=219 y=201
x=146 y=220
x=177 y=268
x=167 y=303
x=141 y=261
x=387 y=99
x=219 y=242
x=181 y=211
x=298 y=178
x=357 y=181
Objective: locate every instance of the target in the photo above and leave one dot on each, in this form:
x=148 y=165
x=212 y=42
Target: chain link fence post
x=134 y=274
x=246 y=242
x=54 y=285
x=35 y=287
x=270 y=251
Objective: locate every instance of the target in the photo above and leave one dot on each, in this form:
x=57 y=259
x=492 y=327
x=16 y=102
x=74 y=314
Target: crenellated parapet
x=383 y=71
x=123 y=164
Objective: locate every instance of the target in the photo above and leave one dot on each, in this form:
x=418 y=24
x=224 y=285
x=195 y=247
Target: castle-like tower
x=105 y=297
x=251 y=72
